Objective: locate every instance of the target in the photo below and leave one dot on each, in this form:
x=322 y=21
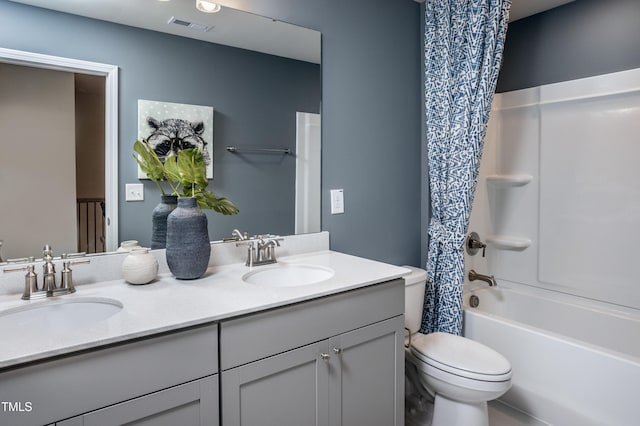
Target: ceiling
x=523 y=8
x=230 y=27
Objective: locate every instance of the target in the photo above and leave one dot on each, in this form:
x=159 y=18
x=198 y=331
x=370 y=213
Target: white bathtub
x=574 y=362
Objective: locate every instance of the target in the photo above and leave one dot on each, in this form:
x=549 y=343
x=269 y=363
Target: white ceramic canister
x=139 y=267
x=127 y=246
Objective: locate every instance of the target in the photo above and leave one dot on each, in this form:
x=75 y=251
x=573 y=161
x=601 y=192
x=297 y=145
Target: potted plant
x=151 y=165
x=185 y=174
x=187 y=236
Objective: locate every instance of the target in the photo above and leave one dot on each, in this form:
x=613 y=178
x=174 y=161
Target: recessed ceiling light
x=207 y=6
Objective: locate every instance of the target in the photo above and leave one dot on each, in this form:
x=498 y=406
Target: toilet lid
x=461 y=356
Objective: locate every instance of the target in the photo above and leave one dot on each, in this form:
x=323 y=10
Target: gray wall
x=255 y=97
x=371 y=115
x=370 y=106
x=580 y=39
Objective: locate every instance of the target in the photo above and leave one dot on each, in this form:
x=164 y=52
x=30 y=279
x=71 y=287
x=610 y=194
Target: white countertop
x=169 y=304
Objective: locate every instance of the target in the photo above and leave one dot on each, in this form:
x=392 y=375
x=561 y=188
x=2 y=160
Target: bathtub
x=575 y=362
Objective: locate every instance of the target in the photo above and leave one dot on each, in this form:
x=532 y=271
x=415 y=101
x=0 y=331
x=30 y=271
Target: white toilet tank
x=414 y=286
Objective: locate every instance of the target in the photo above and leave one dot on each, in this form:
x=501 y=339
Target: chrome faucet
x=48 y=271
x=266 y=249
x=236 y=235
x=261 y=249
x=489 y=279
x=48 y=288
x=250 y=250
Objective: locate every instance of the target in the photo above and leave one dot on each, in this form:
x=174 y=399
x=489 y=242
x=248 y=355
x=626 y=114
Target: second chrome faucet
x=261 y=249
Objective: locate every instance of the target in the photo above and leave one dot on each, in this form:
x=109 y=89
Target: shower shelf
x=505 y=242
x=509 y=180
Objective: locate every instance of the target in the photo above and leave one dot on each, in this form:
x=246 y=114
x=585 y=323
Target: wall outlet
x=337 y=201
x=134 y=192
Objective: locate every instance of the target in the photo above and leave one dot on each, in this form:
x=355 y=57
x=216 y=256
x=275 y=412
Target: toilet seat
x=459 y=356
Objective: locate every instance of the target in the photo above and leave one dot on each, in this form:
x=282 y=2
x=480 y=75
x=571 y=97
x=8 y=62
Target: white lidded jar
x=139 y=267
x=127 y=246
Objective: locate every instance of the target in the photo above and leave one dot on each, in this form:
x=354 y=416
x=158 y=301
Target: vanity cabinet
x=366 y=375
x=172 y=376
x=337 y=360
x=190 y=404
x=285 y=389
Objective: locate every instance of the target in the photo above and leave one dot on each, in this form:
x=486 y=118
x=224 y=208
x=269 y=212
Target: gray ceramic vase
x=168 y=203
x=188 y=247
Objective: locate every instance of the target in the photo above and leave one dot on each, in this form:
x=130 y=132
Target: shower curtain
x=463 y=49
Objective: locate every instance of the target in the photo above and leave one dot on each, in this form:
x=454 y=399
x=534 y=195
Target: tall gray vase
x=188 y=247
x=168 y=203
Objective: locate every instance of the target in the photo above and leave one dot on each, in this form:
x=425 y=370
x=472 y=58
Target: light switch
x=337 y=201
x=134 y=192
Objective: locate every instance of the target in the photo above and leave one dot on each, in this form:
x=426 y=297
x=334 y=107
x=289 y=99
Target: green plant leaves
x=148 y=160
x=171 y=170
x=186 y=170
x=149 y=163
x=189 y=170
x=208 y=200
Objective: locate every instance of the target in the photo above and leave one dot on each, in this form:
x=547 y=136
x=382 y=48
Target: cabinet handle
x=325 y=356
x=337 y=351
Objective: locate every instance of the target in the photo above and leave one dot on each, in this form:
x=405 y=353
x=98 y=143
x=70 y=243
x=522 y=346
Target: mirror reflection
x=260 y=100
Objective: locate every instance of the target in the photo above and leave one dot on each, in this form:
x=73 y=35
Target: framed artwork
x=171 y=127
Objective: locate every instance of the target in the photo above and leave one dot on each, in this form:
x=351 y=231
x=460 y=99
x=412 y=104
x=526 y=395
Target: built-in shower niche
x=504 y=199
x=558 y=195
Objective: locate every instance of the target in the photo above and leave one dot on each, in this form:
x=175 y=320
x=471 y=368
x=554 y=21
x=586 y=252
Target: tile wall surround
x=108 y=267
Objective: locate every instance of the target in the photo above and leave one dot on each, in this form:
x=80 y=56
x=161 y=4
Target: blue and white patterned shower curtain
x=463 y=50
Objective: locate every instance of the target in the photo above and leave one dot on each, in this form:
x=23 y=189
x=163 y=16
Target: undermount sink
x=288 y=275
x=52 y=315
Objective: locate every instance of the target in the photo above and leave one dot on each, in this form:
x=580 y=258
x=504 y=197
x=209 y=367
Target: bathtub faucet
x=489 y=279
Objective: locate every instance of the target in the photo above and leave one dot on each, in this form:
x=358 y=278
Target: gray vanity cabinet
x=336 y=360
x=190 y=404
x=286 y=389
x=366 y=375
x=333 y=361
x=172 y=376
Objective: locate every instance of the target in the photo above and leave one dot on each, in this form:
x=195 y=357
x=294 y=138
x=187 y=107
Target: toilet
x=461 y=374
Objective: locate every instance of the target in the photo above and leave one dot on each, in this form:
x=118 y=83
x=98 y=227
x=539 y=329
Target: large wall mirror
x=262 y=78
x=59 y=177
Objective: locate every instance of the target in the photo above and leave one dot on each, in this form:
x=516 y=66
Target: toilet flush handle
x=408 y=345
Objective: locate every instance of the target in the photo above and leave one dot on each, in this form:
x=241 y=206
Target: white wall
x=574 y=227
x=37 y=123
x=308 y=173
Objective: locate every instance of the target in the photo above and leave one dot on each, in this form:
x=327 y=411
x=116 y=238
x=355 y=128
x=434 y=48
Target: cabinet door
x=289 y=389
x=191 y=404
x=366 y=376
